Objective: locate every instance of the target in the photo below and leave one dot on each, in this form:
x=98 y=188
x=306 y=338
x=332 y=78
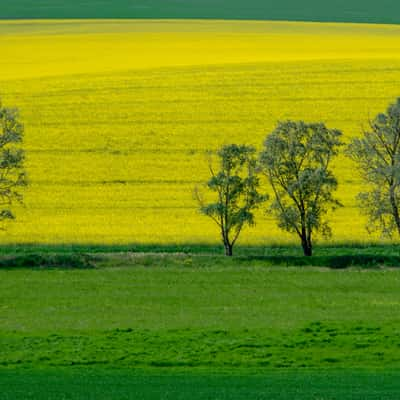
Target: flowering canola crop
x=118 y=116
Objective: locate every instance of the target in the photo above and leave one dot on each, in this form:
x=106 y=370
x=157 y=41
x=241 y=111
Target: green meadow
x=156 y=325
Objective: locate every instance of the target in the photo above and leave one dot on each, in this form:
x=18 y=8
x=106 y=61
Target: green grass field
x=143 y=326
x=384 y=11
x=121 y=384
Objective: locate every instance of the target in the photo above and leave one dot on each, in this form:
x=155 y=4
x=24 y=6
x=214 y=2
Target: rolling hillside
x=384 y=11
x=119 y=115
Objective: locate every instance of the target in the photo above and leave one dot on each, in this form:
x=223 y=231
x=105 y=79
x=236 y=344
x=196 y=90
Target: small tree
x=296 y=160
x=12 y=174
x=236 y=186
x=377 y=156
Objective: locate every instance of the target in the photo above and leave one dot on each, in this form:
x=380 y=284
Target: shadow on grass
x=344 y=248
x=85 y=261
x=80 y=261
x=329 y=261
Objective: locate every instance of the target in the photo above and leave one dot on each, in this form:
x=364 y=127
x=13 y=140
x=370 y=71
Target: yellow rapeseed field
x=118 y=116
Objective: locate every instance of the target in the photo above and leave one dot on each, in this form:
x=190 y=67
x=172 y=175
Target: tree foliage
x=12 y=174
x=236 y=188
x=377 y=155
x=296 y=160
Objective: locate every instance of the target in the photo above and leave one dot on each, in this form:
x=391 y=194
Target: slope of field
x=175 y=293
x=384 y=11
x=212 y=318
x=171 y=331
x=119 y=115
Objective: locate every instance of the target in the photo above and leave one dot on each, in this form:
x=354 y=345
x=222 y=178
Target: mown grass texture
x=211 y=317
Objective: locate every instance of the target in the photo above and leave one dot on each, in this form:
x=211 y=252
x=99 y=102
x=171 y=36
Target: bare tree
x=12 y=174
x=377 y=156
x=296 y=161
x=236 y=192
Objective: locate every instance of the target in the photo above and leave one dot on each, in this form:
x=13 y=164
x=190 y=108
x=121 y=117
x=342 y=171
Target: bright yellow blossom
x=118 y=115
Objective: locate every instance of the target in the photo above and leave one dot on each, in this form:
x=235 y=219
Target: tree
x=236 y=189
x=12 y=174
x=377 y=156
x=296 y=160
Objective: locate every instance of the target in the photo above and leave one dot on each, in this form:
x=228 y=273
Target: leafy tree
x=236 y=189
x=377 y=155
x=296 y=160
x=12 y=174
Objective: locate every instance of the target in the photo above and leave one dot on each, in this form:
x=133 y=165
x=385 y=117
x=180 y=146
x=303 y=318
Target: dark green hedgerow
x=87 y=256
x=34 y=260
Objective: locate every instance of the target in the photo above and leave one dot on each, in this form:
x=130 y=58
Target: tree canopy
x=296 y=161
x=377 y=156
x=12 y=173
x=236 y=188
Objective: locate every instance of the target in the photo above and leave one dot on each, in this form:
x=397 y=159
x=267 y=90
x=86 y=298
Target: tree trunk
x=305 y=238
x=307 y=247
x=395 y=209
x=228 y=250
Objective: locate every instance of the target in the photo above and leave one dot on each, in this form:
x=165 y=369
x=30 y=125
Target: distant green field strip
x=98 y=384
x=384 y=11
